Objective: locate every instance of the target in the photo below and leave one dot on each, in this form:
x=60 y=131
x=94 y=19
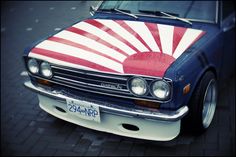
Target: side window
x=227 y=9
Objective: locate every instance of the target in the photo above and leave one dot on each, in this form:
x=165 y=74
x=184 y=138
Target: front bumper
x=162 y=125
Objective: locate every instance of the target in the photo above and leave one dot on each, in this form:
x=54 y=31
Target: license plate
x=84 y=110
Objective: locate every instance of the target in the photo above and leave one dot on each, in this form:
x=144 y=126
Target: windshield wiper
x=177 y=18
x=126 y=12
x=157 y=13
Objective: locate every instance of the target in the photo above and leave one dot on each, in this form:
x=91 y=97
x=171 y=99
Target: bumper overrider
x=163 y=125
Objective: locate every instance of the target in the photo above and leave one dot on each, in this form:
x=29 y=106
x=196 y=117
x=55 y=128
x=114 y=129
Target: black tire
x=193 y=122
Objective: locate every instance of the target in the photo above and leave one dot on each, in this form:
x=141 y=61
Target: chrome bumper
x=164 y=115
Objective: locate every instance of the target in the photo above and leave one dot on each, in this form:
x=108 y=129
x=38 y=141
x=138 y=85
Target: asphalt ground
x=27 y=130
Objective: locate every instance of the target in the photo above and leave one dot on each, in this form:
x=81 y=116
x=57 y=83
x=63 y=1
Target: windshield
x=193 y=10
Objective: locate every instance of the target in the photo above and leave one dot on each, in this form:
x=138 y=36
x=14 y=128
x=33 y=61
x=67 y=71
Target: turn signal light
x=150 y=104
x=44 y=82
x=186 y=89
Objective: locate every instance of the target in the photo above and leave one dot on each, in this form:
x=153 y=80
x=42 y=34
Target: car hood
x=117 y=46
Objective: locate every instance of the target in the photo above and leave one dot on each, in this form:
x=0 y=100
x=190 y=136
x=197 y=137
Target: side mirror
x=229 y=22
x=92 y=10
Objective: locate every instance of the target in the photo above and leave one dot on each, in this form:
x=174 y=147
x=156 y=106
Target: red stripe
x=155 y=33
x=135 y=34
x=178 y=34
x=95 y=38
x=70 y=59
x=67 y=42
x=112 y=33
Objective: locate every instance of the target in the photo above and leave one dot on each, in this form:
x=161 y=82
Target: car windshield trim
x=166 y=17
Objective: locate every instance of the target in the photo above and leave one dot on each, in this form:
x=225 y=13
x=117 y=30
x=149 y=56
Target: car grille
x=97 y=82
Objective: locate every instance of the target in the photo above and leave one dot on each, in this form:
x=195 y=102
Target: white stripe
x=189 y=36
x=80 y=39
x=142 y=30
x=59 y=62
x=166 y=36
x=124 y=33
x=105 y=36
x=80 y=53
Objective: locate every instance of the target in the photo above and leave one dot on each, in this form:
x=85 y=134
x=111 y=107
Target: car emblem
x=113 y=86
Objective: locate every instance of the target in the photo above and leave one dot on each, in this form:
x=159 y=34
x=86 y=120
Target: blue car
x=140 y=69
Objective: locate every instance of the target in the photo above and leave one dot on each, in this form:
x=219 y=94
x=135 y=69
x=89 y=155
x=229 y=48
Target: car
x=140 y=69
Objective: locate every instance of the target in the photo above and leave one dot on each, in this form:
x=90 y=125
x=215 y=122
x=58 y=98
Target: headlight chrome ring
x=33 y=66
x=138 y=86
x=160 y=89
x=45 y=70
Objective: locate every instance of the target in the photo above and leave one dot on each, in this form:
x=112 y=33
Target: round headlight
x=46 y=70
x=161 y=89
x=33 y=66
x=138 y=86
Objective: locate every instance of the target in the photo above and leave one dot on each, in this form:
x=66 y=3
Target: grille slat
x=87 y=85
x=92 y=81
x=92 y=89
x=90 y=73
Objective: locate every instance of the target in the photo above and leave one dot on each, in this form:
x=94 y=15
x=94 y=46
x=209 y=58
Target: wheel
x=202 y=105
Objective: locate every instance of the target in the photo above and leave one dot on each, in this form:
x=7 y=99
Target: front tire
x=202 y=105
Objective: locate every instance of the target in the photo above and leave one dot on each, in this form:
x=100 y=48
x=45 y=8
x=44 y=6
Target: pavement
x=27 y=130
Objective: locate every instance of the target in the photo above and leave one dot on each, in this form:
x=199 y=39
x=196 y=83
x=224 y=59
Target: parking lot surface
x=27 y=130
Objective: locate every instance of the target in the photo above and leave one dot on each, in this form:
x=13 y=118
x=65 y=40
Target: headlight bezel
x=163 y=81
x=28 y=66
x=39 y=63
x=149 y=85
x=130 y=88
